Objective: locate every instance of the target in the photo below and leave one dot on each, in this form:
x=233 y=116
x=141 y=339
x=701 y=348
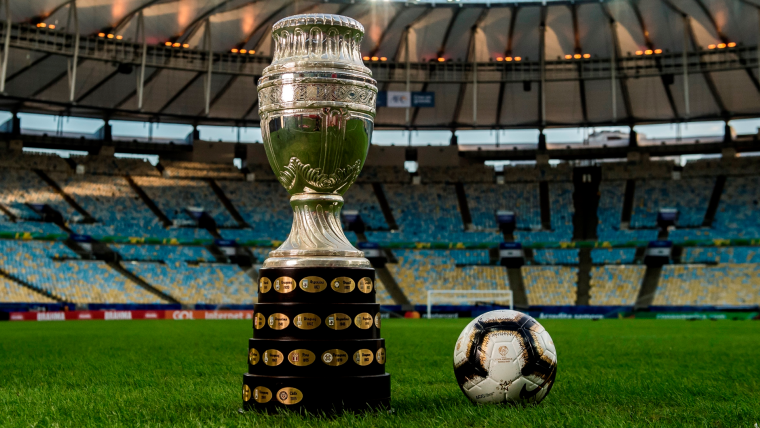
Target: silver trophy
x=317 y=107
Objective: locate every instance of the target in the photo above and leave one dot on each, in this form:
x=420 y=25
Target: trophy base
x=316 y=395
x=316 y=345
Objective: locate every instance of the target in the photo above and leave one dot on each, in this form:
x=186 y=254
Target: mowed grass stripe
x=188 y=373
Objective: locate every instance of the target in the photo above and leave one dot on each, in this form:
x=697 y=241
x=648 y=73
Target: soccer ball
x=505 y=356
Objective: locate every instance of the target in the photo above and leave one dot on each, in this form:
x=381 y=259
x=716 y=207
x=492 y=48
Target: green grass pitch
x=188 y=373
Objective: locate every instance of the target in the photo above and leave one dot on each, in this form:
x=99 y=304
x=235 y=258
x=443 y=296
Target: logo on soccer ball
x=327 y=358
x=305 y=283
x=336 y=284
x=283 y=395
x=502 y=350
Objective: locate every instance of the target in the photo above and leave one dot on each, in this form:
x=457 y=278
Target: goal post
x=465 y=296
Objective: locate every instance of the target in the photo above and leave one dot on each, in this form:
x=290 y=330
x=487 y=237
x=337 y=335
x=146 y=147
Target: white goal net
x=463 y=297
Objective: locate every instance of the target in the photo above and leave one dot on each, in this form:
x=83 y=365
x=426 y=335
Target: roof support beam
x=6 y=44
x=542 y=63
x=400 y=10
x=724 y=39
x=507 y=52
x=143 y=59
x=179 y=93
x=210 y=61
x=199 y=21
x=133 y=93
x=470 y=58
x=73 y=79
x=579 y=50
x=440 y=53
x=446 y=35
x=97 y=85
x=23 y=70
x=123 y=21
x=219 y=94
x=657 y=61
x=407 y=29
x=250 y=110
x=55 y=80
x=705 y=74
x=623 y=80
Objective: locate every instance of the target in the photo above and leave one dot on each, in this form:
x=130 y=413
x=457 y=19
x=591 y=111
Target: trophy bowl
x=317 y=109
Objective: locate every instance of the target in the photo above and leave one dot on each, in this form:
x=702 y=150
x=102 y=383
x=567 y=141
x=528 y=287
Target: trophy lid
x=318 y=19
x=317 y=41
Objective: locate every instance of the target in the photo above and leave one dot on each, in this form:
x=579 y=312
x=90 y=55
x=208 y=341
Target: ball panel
x=487 y=391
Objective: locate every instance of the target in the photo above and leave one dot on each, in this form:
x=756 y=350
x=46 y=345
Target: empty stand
x=263 y=205
x=361 y=197
x=418 y=271
x=699 y=285
x=20 y=189
x=615 y=285
x=176 y=196
x=185 y=169
x=550 y=285
x=206 y=283
x=689 y=196
x=52 y=266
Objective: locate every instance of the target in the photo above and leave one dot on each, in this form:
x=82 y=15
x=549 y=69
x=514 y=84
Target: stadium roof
x=534 y=64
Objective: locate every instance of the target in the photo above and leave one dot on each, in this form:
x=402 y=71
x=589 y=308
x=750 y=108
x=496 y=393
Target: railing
x=633 y=66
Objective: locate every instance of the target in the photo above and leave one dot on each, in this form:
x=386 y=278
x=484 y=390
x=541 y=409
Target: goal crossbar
x=458 y=296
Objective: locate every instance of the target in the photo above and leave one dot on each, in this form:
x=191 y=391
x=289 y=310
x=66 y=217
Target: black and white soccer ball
x=505 y=357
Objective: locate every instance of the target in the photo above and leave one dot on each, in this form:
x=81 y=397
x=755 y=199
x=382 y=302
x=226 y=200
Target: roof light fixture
x=186 y=45
x=577 y=56
x=374 y=58
x=175 y=45
x=110 y=36
x=508 y=58
x=251 y=52
x=568 y=56
x=721 y=45
x=234 y=50
x=498 y=58
x=649 y=52
x=366 y=58
x=383 y=58
x=119 y=37
x=243 y=50
x=730 y=44
x=587 y=56
x=517 y=58
x=658 y=51
x=101 y=34
x=52 y=27
x=639 y=52
x=41 y=25
x=710 y=46
x=441 y=59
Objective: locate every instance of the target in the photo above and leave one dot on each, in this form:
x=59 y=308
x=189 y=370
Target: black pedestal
x=316 y=342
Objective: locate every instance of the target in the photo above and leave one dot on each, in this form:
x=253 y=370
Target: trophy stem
x=316 y=229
